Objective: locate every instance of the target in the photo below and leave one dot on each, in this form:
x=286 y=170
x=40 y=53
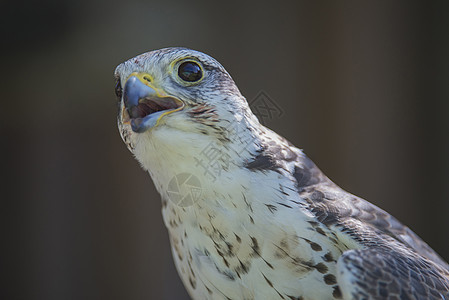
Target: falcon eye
x=118 y=88
x=190 y=71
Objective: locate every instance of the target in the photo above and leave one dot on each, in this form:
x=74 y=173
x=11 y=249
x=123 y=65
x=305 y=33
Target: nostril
x=147 y=78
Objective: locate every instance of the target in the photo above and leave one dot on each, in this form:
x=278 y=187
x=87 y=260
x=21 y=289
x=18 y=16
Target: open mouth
x=149 y=110
x=150 y=105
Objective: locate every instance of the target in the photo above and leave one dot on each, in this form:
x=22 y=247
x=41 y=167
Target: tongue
x=145 y=109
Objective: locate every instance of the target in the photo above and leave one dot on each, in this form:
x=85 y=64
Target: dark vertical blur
x=363 y=86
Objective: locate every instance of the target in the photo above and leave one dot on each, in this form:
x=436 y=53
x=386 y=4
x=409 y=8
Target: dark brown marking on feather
x=177 y=250
x=296 y=261
x=198 y=111
x=316 y=227
x=284 y=244
x=268 y=264
x=271 y=285
x=247 y=204
x=282 y=297
x=271 y=207
x=237 y=238
x=230 y=248
x=281 y=253
x=262 y=162
x=222 y=237
x=255 y=245
x=256 y=251
x=173 y=223
x=208 y=290
x=192 y=283
x=282 y=250
x=314 y=223
x=313 y=245
x=322 y=268
x=320 y=231
x=219 y=252
x=191 y=270
x=229 y=275
x=226 y=262
x=268 y=281
x=328 y=257
x=330 y=279
x=283 y=204
x=251 y=219
x=337 y=293
x=296 y=202
x=243 y=267
x=334 y=241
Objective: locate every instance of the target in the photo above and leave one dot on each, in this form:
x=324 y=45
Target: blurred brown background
x=363 y=86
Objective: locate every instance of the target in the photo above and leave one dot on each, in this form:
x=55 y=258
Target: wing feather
x=381 y=273
x=334 y=206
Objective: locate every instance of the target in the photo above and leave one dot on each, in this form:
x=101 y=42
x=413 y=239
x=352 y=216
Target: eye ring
x=190 y=71
x=118 y=88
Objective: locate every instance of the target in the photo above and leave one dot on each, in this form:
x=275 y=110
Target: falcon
x=248 y=214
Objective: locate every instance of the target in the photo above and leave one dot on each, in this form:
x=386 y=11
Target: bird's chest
x=252 y=253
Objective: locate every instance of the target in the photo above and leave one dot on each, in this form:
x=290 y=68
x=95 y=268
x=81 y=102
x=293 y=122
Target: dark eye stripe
x=190 y=71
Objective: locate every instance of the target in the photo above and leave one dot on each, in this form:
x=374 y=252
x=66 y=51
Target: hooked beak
x=145 y=105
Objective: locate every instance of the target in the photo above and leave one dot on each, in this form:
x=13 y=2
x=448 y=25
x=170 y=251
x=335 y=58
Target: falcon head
x=177 y=93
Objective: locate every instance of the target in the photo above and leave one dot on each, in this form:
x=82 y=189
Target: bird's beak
x=145 y=104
